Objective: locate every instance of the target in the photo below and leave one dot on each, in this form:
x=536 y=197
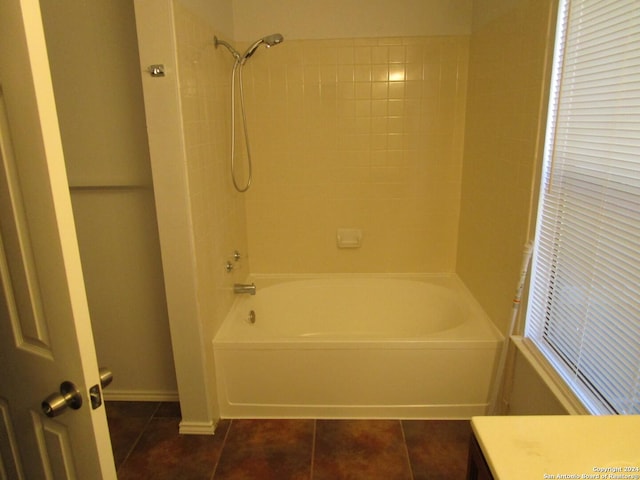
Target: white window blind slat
x=605 y=53
x=584 y=306
x=588 y=43
x=597 y=9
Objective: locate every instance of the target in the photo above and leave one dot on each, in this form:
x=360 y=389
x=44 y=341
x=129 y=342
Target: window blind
x=584 y=306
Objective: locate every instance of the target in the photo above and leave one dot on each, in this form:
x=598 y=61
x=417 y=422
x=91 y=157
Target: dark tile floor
x=146 y=445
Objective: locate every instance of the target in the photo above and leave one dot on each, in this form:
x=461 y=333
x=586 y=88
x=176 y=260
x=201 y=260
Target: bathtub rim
x=446 y=339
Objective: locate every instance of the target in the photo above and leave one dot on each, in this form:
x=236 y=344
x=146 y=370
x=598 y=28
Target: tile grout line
x=313 y=447
x=135 y=442
x=406 y=449
x=224 y=443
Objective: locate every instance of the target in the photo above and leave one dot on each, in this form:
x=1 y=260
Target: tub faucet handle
x=244 y=288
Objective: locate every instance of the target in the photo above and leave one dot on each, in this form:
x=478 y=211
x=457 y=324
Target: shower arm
x=233 y=51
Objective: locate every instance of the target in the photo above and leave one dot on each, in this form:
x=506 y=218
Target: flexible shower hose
x=237 y=67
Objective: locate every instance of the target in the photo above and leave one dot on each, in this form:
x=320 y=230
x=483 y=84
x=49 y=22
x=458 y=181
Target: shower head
x=274 y=39
x=268 y=41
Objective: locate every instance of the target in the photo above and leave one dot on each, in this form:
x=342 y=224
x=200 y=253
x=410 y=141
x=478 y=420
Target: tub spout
x=244 y=288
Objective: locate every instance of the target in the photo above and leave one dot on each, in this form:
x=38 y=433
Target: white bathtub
x=390 y=346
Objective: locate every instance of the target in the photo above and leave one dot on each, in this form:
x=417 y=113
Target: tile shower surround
x=349 y=133
x=147 y=445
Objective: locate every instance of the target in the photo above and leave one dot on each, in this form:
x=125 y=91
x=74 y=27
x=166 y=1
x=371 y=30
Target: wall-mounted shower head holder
x=234 y=52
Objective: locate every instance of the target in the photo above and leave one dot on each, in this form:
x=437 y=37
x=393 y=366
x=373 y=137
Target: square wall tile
x=358 y=115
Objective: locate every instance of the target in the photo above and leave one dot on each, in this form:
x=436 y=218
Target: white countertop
x=555 y=447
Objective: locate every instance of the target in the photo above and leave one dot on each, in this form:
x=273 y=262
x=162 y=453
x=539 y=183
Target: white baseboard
x=197 y=428
x=140 y=396
x=186 y=428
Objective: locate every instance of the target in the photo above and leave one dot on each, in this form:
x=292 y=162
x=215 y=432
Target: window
x=584 y=306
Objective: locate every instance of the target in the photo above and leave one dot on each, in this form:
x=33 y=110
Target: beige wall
x=510 y=56
x=531 y=392
x=217 y=14
x=503 y=136
x=93 y=56
x=324 y=19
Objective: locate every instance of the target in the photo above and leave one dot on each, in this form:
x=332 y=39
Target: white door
x=45 y=330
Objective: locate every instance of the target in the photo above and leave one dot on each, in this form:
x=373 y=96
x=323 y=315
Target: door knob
x=57 y=403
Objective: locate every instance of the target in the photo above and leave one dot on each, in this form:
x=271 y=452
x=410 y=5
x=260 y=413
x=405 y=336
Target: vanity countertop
x=560 y=447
